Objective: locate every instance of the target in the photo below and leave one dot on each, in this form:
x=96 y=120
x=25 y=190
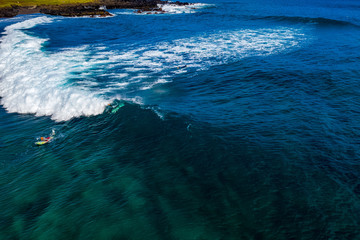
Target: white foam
x=37 y=82
x=158 y=112
x=176 y=9
x=168 y=8
x=146 y=66
x=151 y=85
x=117 y=75
x=209 y=49
x=33 y=81
x=120 y=85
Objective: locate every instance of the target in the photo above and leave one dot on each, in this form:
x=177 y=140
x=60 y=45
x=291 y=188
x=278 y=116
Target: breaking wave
x=33 y=81
x=65 y=84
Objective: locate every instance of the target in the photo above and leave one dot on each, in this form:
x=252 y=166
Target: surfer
x=44 y=140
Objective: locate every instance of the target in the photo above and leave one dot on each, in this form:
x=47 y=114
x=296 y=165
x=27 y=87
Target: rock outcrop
x=9 y=11
x=97 y=8
x=75 y=10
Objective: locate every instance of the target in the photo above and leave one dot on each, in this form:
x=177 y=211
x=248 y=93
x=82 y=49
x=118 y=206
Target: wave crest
x=33 y=81
x=309 y=20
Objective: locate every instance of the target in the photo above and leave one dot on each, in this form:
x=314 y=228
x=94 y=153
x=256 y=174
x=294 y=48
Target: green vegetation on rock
x=27 y=3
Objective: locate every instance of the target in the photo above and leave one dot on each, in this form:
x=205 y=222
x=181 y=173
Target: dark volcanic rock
x=88 y=9
x=9 y=11
x=74 y=10
x=180 y=3
x=134 y=4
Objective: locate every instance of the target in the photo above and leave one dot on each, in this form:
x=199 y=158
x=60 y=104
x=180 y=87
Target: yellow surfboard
x=42 y=142
x=45 y=140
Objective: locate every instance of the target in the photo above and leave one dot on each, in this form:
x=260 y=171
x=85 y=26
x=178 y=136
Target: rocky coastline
x=98 y=8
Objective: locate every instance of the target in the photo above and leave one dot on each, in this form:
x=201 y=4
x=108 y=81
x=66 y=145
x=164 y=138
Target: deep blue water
x=241 y=120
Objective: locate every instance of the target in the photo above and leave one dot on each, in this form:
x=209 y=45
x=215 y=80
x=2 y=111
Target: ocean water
x=241 y=120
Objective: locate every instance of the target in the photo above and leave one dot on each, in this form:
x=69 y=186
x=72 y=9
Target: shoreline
x=98 y=8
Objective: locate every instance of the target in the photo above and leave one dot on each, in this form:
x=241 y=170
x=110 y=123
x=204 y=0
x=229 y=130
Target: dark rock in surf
x=75 y=10
x=88 y=9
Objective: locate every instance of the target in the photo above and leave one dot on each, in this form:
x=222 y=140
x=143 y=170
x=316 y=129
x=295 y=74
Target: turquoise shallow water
x=256 y=138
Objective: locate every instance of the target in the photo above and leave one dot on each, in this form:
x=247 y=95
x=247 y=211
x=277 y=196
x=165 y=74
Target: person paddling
x=44 y=140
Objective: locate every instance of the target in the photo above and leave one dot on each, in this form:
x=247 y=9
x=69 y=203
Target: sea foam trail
x=34 y=81
x=227 y=46
x=199 y=52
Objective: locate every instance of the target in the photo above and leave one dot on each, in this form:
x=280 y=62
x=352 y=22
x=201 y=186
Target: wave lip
x=32 y=81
